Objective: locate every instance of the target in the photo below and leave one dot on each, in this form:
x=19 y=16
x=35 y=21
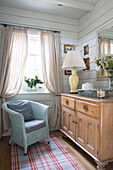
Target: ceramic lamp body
x=73 y=81
x=73 y=61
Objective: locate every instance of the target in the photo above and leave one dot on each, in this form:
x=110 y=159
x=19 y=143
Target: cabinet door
x=68 y=121
x=87 y=133
x=81 y=129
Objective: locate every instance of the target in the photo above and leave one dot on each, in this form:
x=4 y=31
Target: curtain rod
x=5 y=25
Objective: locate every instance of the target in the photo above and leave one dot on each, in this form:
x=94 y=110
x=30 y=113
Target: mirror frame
x=109 y=24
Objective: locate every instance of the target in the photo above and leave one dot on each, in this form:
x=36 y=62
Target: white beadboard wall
x=108 y=33
x=69 y=35
x=88 y=25
x=78 y=32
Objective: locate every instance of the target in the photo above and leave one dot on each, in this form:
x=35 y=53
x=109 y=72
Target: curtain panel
x=12 y=61
x=104 y=46
x=51 y=66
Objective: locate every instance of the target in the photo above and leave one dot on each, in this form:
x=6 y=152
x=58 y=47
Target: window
x=34 y=62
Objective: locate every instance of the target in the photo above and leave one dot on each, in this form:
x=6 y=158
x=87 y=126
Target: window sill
x=33 y=92
x=41 y=89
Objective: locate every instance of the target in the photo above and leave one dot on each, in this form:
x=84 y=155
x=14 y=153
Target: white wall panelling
x=107 y=33
x=36 y=15
x=88 y=26
x=90 y=76
x=91 y=20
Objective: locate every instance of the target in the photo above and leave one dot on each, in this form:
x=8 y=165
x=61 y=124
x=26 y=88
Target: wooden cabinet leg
x=100 y=168
x=101 y=165
x=64 y=136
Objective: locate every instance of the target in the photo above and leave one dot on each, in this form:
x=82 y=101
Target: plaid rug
x=42 y=156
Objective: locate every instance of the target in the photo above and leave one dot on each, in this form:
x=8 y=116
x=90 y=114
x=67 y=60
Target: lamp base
x=73 y=81
x=73 y=92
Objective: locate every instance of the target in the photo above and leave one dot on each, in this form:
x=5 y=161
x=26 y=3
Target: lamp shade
x=73 y=60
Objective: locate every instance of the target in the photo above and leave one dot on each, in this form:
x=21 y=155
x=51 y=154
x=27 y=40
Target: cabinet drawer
x=90 y=109
x=68 y=102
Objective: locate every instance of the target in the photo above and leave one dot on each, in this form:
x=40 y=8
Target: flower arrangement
x=32 y=82
x=105 y=64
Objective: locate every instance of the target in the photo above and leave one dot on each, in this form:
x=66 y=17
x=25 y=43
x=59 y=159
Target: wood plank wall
x=69 y=35
x=88 y=25
x=78 y=32
x=108 y=33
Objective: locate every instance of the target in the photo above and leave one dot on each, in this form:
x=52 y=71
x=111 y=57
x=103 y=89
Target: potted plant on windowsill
x=32 y=82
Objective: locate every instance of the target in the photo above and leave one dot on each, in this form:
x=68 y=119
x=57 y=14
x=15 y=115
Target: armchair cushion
x=34 y=125
x=24 y=108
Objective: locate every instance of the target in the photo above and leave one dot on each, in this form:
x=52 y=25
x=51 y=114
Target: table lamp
x=73 y=62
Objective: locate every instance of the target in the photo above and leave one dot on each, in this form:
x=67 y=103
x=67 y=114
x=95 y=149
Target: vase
x=29 y=89
x=110 y=78
x=104 y=73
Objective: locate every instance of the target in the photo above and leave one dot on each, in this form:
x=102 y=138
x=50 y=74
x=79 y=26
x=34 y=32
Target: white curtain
x=51 y=66
x=104 y=46
x=12 y=62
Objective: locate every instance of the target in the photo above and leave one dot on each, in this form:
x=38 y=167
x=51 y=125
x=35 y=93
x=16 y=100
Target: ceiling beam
x=74 y=4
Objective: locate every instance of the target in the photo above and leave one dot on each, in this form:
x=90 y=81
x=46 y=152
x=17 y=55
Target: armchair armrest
x=40 y=111
x=4 y=107
x=17 y=119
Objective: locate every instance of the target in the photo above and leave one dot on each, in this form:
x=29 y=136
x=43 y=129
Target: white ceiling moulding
x=74 y=4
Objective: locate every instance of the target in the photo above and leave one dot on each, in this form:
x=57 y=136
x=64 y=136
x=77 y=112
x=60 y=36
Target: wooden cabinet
x=89 y=123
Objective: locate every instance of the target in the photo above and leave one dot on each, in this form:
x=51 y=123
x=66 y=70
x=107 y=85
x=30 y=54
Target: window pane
x=30 y=63
x=34 y=62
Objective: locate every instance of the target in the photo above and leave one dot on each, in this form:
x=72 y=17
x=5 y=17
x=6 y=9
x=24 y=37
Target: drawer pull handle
x=74 y=122
x=85 y=108
x=67 y=102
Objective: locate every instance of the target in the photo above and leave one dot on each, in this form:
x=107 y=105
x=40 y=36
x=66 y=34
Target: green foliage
x=32 y=82
x=110 y=63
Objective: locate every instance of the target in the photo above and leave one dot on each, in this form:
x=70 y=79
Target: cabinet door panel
x=81 y=129
x=92 y=135
x=87 y=132
x=71 y=127
x=67 y=121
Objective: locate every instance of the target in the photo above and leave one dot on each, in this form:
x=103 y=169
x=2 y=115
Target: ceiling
x=70 y=8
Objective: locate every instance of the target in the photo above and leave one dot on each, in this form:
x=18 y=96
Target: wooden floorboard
x=5 y=154
x=80 y=156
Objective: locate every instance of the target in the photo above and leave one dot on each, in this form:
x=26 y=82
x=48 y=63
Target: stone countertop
x=106 y=99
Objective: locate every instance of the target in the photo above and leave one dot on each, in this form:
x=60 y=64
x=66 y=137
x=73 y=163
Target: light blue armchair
x=22 y=135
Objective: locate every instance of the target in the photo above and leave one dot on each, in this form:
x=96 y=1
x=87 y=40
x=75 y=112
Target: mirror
x=105 y=46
